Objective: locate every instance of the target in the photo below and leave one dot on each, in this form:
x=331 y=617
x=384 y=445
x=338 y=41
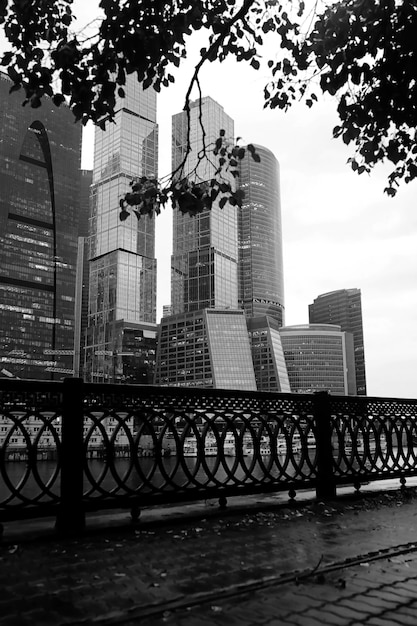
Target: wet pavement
x=352 y=561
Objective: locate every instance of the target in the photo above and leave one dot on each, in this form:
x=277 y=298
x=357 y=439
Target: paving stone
x=108 y=573
x=326 y=617
x=400 y=618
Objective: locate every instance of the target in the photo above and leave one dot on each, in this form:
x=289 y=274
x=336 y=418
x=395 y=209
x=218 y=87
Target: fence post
x=326 y=487
x=71 y=516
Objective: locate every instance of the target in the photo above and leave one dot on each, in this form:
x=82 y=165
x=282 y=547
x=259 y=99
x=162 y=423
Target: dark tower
x=40 y=154
x=344 y=308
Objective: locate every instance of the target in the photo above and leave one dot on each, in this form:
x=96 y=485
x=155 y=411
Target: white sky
x=339 y=229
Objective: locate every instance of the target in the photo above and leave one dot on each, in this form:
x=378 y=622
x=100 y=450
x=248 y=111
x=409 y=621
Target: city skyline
x=319 y=238
x=340 y=229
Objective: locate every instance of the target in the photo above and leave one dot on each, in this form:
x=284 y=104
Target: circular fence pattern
x=143 y=445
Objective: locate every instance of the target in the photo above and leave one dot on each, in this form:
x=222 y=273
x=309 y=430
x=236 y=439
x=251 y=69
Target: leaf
x=7 y=58
x=58 y=99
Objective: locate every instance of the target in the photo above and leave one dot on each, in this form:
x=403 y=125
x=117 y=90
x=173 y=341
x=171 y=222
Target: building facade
x=205 y=253
x=207 y=348
x=344 y=307
x=261 y=281
x=122 y=278
x=319 y=357
x=267 y=354
x=40 y=156
x=82 y=275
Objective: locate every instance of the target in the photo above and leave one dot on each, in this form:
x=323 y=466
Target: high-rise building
x=40 y=155
x=261 y=282
x=205 y=254
x=205 y=341
x=319 y=357
x=223 y=259
x=82 y=275
x=206 y=348
x=344 y=307
x=166 y=310
x=267 y=355
x=122 y=291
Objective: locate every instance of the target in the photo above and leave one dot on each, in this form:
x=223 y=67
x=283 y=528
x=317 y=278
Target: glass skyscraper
x=267 y=354
x=344 y=307
x=206 y=348
x=204 y=259
x=40 y=154
x=261 y=282
x=204 y=342
x=224 y=259
x=122 y=254
x=319 y=357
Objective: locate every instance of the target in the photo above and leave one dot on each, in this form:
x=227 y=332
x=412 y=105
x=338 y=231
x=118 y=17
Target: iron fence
x=72 y=447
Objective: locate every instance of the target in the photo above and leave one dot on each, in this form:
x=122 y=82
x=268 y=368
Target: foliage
x=362 y=52
x=149 y=195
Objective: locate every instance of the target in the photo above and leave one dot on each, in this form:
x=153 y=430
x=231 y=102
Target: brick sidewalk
x=380 y=593
x=123 y=576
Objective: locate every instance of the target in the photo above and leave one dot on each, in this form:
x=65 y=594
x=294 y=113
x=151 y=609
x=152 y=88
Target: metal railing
x=72 y=447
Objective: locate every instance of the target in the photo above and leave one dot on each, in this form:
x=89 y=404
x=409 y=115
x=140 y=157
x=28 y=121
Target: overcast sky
x=339 y=229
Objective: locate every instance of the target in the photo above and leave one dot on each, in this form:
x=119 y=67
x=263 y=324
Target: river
x=168 y=474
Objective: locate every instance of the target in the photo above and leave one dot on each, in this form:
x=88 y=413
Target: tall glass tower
x=204 y=259
x=261 y=282
x=40 y=154
x=122 y=292
x=344 y=307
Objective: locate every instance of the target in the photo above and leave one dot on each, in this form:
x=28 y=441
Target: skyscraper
x=122 y=297
x=267 y=354
x=205 y=341
x=204 y=259
x=82 y=275
x=40 y=154
x=319 y=357
x=344 y=307
x=261 y=282
x=206 y=348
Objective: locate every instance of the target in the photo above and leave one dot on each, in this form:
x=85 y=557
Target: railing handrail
x=136 y=421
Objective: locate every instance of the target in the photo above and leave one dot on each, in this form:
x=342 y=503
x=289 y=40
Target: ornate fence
x=72 y=447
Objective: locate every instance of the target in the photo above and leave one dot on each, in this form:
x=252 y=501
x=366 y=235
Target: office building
x=319 y=357
x=82 y=275
x=122 y=290
x=207 y=348
x=166 y=310
x=40 y=155
x=224 y=259
x=267 y=354
x=344 y=307
x=261 y=282
x=205 y=254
